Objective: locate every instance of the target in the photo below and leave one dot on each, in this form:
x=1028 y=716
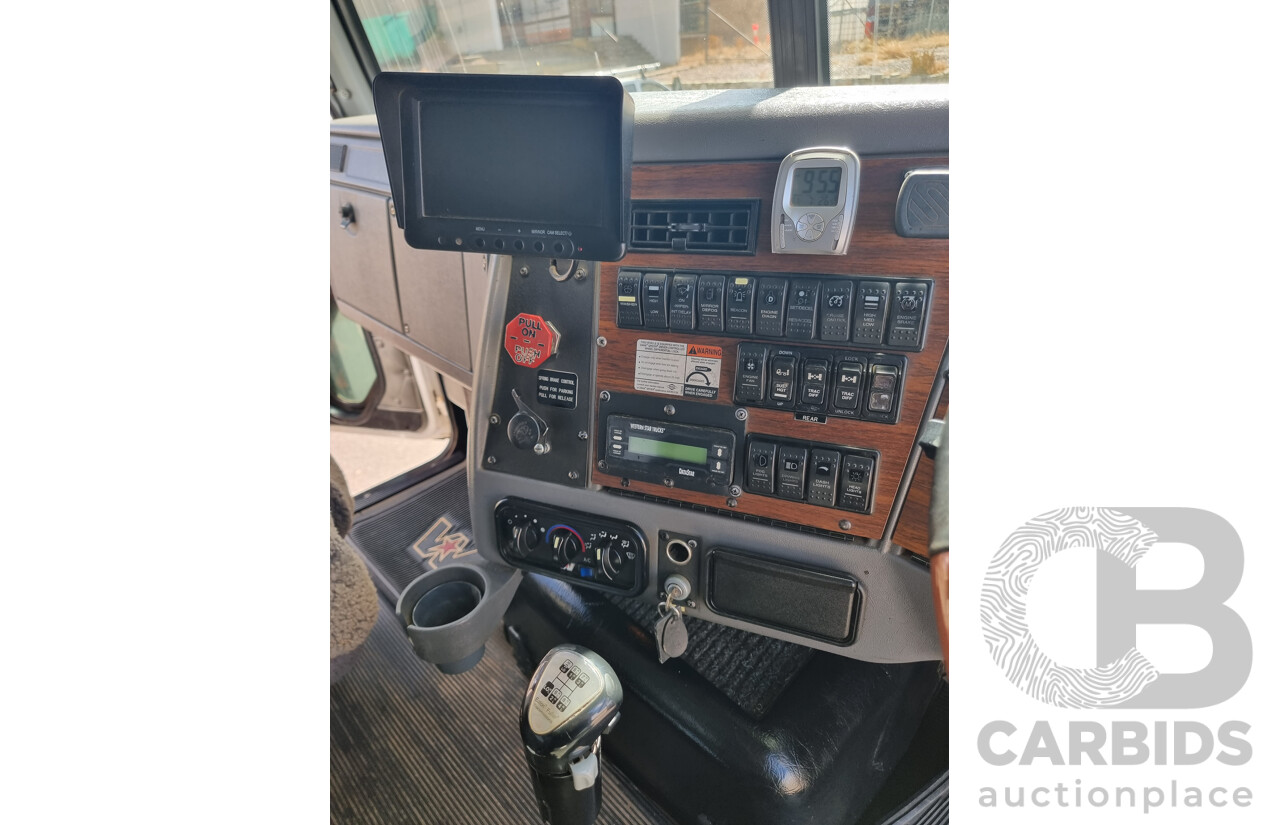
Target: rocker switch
x=802 y=309
x=761 y=458
x=884 y=388
x=749 y=380
x=740 y=305
x=855 y=483
x=684 y=299
x=711 y=303
x=629 y=312
x=791 y=472
x=870 y=312
x=906 y=327
x=654 y=299
x=848 y=386
x=835 y=308
x=771 y=300
x=824 y=472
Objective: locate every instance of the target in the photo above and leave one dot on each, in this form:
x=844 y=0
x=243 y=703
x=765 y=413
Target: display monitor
x=537 y=165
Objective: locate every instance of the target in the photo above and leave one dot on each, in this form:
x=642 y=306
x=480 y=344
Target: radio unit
x=676 y=455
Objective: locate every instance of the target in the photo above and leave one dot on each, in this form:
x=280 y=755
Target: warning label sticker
x=672 y=368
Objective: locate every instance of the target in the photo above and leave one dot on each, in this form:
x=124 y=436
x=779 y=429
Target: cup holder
x=449 y=613
x=445 y=604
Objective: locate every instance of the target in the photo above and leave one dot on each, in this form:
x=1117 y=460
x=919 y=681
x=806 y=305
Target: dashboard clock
x=814 y=201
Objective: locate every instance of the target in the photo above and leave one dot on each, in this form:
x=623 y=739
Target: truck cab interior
x=665 y=285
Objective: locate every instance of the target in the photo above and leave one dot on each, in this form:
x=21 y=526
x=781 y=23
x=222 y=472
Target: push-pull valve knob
x=526 y=430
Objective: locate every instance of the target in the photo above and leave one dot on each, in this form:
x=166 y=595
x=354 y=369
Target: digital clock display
x=816 y=185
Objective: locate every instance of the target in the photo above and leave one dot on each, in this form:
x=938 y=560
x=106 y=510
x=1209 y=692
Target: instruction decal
x=673 y=368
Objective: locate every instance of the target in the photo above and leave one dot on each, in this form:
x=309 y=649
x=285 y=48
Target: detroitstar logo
x=440 y=546
x=1126 y=678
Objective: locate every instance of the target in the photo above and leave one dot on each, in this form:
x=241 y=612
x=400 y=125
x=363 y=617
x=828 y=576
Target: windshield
x=653 y=45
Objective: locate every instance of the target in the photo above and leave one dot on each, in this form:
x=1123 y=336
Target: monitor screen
x=494 y=160
x=512 y=164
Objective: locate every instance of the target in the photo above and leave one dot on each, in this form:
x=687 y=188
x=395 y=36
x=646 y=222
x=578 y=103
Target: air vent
x=707 y=227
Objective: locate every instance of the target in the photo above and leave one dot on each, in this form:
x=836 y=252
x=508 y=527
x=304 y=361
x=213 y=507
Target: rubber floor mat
x=750 y=669
x=412 y=746
x=420 y=529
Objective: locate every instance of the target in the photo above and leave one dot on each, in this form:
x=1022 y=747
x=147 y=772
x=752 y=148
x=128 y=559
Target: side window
x=889 y=41
x=649 y=45
x=355 y=379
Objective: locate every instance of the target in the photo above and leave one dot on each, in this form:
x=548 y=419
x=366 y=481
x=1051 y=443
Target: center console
x=743 y=419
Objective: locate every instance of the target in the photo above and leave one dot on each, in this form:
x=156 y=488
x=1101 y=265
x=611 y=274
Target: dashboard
x=713 y=415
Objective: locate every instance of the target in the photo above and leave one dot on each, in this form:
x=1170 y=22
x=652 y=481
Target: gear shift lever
x=572 y=700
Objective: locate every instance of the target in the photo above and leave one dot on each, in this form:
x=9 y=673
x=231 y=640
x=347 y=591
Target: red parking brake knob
x=530 y=340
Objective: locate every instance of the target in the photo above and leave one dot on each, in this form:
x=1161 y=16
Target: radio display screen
x=816 y=186
x=665 y=449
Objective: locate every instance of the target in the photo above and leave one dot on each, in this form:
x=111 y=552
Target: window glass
x=888 y=41
x=352 y=372
x=649 y=45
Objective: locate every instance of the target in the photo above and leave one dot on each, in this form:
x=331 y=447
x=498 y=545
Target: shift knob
x=572 y=700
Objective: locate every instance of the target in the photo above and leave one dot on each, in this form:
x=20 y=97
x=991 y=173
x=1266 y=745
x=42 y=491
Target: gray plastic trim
x=763 y=124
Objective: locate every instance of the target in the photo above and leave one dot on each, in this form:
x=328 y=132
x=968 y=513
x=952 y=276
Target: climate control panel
x=585 y=549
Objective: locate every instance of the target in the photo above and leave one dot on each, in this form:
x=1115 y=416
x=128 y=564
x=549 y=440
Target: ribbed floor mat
x=434 y=518
x=411 y=745
x=752 y=670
